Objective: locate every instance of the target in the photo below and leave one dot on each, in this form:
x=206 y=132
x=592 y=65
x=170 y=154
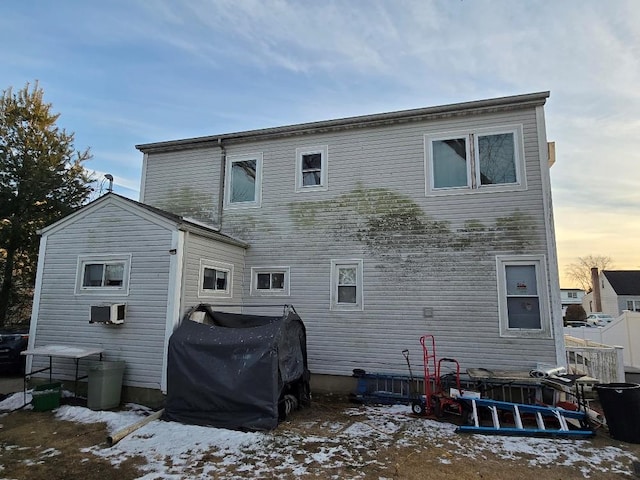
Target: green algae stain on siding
x=513 y=233
x=391 y=225
x=191 y=203
x=251 y=228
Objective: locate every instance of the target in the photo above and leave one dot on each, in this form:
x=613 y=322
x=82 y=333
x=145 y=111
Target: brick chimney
x=595 y=282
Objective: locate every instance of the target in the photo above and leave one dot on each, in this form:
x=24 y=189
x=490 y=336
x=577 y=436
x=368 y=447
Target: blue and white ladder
x=559 y=421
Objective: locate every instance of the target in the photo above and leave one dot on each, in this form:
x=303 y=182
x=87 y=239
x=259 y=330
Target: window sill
x=487 y=189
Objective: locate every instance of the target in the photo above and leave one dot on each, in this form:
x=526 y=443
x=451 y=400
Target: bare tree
x=580 y=271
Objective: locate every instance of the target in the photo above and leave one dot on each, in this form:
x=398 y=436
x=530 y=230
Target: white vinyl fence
x=604 y=362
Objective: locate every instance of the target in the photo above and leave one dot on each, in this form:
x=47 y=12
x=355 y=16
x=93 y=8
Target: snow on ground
x=176 y=451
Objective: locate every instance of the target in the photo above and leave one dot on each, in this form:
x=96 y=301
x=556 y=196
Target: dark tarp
x=236 y=371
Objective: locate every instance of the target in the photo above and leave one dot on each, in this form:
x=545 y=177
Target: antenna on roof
x=109 y=177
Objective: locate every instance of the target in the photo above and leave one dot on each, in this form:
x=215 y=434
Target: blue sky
x=122 y=73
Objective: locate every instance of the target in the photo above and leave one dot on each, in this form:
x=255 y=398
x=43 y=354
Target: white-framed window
x=243 y=181
x=633 y=305
x=103 y=274
x=270 y=281
x=474 y=160
x=523 y=304
x=347 y=284
x=311 y=168
x=573 y=294
x=215 y=279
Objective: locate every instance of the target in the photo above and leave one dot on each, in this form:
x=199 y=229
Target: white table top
x=65 y=351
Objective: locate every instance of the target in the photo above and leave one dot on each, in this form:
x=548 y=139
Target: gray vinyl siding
x=419 y=252
x=197 y=248
x=189 y=188
x=64 y=316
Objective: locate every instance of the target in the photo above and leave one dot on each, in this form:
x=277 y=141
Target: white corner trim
x=553 y=274
x=143 y=177
x=172 y=319
x=35 y=309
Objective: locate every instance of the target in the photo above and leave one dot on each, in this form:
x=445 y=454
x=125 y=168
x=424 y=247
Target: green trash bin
x=105 y=384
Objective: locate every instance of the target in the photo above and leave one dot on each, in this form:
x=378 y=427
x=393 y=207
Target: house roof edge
x=476 y=106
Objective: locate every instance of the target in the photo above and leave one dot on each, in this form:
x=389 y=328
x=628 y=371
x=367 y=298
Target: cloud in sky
x=129 y=72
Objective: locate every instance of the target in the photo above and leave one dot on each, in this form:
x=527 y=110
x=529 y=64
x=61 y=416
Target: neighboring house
x=378 y=229
x=570 y=296
x=619 y=291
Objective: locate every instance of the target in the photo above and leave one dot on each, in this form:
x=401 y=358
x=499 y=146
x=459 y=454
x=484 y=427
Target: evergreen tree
x=42 y=179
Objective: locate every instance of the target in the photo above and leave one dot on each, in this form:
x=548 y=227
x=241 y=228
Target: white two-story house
x=378 y=229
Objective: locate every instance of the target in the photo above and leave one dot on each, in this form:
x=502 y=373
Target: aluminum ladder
x=560 y=419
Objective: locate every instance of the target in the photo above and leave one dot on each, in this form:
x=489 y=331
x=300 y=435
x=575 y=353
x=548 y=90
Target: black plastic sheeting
x=241 y=372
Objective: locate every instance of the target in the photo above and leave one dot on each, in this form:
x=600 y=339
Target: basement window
x=215 y=279
x=523 y=304
x=474 y=160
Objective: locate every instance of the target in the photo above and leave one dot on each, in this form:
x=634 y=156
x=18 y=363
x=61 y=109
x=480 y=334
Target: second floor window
x=474 y=160
x=311 y=168
x=244 y=181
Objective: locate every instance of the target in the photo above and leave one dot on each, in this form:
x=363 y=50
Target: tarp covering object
x=236 y=371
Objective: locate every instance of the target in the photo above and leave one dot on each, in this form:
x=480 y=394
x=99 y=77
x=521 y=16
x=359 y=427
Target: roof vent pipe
x=595 y=284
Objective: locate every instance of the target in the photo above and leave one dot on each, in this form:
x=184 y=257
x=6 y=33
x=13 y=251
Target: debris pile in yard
x=337 y=441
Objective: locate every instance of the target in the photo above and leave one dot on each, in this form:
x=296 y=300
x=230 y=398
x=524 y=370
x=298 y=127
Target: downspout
x=223 y=166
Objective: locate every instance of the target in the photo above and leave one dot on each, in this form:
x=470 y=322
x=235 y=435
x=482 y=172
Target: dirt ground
x=37 y=446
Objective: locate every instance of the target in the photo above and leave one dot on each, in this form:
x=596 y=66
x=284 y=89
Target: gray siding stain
x=189 y=202
x=391 y=226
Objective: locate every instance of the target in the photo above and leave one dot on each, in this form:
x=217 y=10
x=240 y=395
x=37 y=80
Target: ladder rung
x=540 y=421
x=494 y=416
x=516 y=416
x=539 y=412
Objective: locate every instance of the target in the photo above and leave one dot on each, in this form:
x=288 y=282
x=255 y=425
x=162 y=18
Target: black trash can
x=621 y=405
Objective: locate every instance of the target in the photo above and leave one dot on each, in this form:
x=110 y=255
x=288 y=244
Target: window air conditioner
x=110 y=314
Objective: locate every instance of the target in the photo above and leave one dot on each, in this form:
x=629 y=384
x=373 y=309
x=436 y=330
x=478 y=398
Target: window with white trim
x=270 y=281
x=633 y=305
x=523 y=305
x=215 y=279
x=311 y=168
x=103 y=274
x=346 y=284
x=490 y=158
x=243 y=181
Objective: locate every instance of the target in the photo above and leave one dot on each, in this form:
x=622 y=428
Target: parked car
x=12 y=342
x=577 y=323
x=599 y=319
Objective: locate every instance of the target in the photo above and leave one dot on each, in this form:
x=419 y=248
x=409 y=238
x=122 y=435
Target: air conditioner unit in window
x=110 y=313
